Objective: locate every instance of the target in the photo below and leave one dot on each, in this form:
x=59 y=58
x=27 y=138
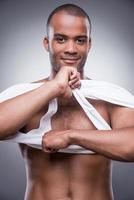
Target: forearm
x=16 y=112
x=115 y=144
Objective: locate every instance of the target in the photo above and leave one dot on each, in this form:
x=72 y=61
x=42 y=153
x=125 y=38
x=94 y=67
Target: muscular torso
x=61 y=176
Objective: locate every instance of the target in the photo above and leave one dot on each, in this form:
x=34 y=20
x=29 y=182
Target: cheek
x=84 y=52
x=55 y=48
x=55 y=53
x=84 y=49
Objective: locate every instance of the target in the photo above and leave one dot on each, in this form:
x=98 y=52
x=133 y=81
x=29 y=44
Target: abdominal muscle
x=61 y=176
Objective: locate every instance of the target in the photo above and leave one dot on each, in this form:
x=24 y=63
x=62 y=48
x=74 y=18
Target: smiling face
x=68 y=42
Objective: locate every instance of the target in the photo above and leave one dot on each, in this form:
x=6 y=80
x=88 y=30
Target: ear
x=90 y=43
x=46 y=43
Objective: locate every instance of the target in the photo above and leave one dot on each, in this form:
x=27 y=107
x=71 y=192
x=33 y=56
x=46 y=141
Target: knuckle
x=78 y=74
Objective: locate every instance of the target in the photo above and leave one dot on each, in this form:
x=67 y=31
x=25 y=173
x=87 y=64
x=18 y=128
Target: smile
x=70 y=60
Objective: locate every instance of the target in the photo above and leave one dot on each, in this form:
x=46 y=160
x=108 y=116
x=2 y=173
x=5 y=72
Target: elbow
x=4 y=131
x=129 y=157
x=127 y=154
x=3 y=135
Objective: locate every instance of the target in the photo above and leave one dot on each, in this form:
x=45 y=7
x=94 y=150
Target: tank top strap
x=45 y=122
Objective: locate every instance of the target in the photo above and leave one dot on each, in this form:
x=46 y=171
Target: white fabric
x=92 y=89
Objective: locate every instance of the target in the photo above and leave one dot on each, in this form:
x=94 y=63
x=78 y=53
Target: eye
x=60 y=39
x=81 y=41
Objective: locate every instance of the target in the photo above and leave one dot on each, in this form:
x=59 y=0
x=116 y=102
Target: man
x=55 y=176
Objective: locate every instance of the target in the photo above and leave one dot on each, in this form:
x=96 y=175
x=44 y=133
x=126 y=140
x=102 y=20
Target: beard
x=56 y=65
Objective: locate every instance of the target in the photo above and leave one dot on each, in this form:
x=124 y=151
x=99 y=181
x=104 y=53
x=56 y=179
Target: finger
x=49 y=150
x=76 y=85
x=75 y=74
x=69 y=70
x=75 y=80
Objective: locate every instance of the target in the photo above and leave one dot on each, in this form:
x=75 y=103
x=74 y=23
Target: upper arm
x=121 y=117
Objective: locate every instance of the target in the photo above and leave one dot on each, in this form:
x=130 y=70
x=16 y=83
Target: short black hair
x=71 y=9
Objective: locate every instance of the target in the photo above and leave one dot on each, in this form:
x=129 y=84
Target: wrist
x=72 y=136
x=54 y=87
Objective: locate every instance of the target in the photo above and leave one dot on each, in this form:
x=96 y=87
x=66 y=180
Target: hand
x=67 y=78
x=54 y=140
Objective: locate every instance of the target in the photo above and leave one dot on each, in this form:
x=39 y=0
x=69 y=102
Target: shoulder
x=121 y=117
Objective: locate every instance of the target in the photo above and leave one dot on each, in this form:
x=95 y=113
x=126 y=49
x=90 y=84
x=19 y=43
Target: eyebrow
x=82 y=36
x=59 y=35
x=65 y=36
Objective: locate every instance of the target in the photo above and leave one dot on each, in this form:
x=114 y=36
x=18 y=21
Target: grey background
x=23 y=59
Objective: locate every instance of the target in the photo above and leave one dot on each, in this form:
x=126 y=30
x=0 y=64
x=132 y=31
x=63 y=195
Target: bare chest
x=67 y=166
x=74 y=117
x=70 y=117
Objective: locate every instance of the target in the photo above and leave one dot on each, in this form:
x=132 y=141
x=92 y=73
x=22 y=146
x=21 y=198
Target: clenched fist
x=54 y=140
x=67 y=78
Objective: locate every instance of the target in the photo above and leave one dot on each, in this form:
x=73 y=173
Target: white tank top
x=92 y=89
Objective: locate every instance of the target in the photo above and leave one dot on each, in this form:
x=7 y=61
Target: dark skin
x=70 y=176
x=116 y=144
x=68 y=47
x=59 y=176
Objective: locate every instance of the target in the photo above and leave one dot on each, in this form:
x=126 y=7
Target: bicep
x=121 y=117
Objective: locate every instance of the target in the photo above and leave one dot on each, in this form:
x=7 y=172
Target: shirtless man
x=60 y=176
x=116 y=144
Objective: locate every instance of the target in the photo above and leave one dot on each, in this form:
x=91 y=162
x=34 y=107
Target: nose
x=71 y=48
